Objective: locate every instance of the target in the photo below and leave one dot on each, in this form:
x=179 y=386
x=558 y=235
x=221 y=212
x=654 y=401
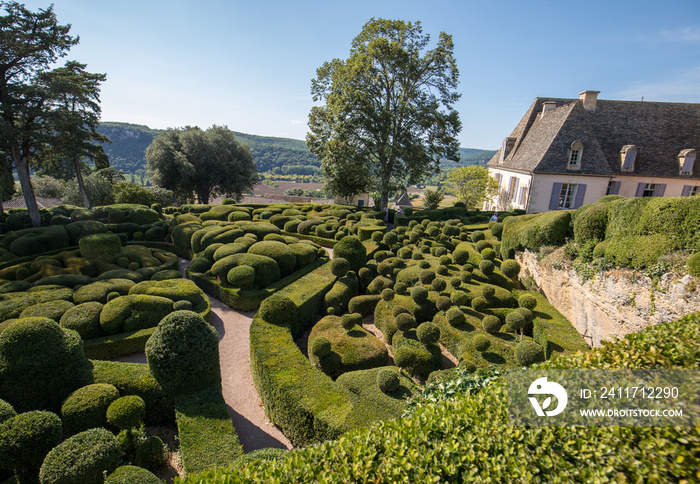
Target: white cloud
x=685 y=34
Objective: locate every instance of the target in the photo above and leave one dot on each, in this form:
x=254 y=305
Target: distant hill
x=282 y=157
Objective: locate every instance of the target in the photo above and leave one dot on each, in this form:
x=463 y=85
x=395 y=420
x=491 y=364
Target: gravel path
x=254 y=429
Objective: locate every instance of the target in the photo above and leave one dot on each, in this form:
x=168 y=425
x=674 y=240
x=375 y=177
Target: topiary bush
x=126 y=412
x=339 y=266
x=40 y=364
x=479 y=303
x=528 y=352
x=486 y=267
x=428 y=333
x=405 y=322
x=277 y=251
x=419 y=294
x=510 y=268
x=388 y=380
x=351 y=249
x=491 y=324
x=85 y=319
x=129 y=474
x=86 y=407
x=481 y=343
x=25 y=439
x=241 y=276
x=527 y=301
x=183 y=353
x=455 y=317
x=320 y=347
x=102 y=247
x=350 y=320
x=151 y=453
x=82 y=459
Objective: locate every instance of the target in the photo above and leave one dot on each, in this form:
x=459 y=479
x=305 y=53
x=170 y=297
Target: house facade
x=565 y=153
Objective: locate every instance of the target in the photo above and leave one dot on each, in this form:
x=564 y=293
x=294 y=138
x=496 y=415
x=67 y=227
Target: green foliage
x=534 y=231
x=215 y=160
x=183 y=353
x=128 y=474
x=126 y=412
x=474 y=185
x=104 y=247
x=363 y=304
x=528 y=352
x=432 y=199
x=277 y=251
x=510 y=268
x=419 y=294
x=125 y=192
x=82 y=459
x=40 y=364
x=339 y=266
x=693 y=265
x=388 y=380
x=637 y=251
x=527 y=301
x=481 y=342
x=25 y=439
x=591 y=222
x=491 y=324
x=241 y=276
x=428 y=333
x=86 y=407
x=351 y=249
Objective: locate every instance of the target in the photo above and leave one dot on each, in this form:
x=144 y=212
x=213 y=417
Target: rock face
x=615 y=303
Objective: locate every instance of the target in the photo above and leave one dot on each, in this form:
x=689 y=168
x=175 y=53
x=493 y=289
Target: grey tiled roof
x=41 y=203
x=659 y=130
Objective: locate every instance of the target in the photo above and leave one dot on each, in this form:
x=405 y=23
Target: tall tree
x=205 y=163
x=31 y=42
x=75 y=116
x=388 y=117
x=474 y=185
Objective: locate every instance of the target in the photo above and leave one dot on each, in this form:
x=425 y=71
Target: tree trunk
x=81 y=184
x=22 y=165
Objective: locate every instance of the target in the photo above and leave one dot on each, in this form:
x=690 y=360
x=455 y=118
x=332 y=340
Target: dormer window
x=628 y=155
x=506 y=148
x=686 y=160
x=575 y=154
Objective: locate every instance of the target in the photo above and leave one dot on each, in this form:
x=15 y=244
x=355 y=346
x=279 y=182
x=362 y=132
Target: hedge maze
x=440 y=286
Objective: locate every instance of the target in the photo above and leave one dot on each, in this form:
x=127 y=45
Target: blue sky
x=249 y=64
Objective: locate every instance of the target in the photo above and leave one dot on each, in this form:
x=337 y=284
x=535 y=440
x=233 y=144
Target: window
x=613 y=188
x=628 y=155
x=690 y=191
x=499 y=178
x=567 y=195
x=513 y=188
x=686 y=160
x=650 y=190
x=575 y=154
x=523 y=196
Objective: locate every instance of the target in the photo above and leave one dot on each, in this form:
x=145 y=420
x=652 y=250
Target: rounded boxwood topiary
x=426 y=276
x=82 y=459
x=126 y=412
x=86 y=407
x=488 y=254
x=183 y=305
x=25 y=439
x=277 y=251
x=496 y=229
x=477 y=235
x=41 y=363
x=85 y=319
x=405 y=322
x=438 y=285
x=516 y=321
x=528 y=352
x=428 y=333
x=400 y=288
x=278 y=309
x=320 y=347
x=404 y=357
x=481 y=245
x=388 y=380
x=488 y=291
x=419 y=294
x=510 y=268
x=129 y=474
x=398 y=309
x=387 y=294
x=455 y=282
x=460 y=298
x=479 y=303
x=491 y=324
x=424 y=264
x=183 y=353
x=455 y=317
x=443 y=303
x=339 y=266
x=242 y=276
x=481 y=343
x=350 y=320
x=486 y=267
x=6 y=411
x=465 y=276
x=351 y=249
x=151 y=453
x=102 y=247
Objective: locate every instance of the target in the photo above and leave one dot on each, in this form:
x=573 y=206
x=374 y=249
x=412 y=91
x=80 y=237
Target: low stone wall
x=615 y=303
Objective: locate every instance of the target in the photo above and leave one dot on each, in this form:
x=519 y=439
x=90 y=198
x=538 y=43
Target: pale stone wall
x=614 y=304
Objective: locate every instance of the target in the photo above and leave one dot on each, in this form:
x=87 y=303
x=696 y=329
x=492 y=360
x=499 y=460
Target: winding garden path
x=254 y=429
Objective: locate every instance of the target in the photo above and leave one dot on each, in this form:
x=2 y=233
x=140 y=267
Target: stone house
x=565 y=153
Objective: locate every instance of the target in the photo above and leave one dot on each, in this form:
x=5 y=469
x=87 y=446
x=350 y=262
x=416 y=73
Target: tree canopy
x=205 y=163
x=388 y=117
x=474 y=185
x=42 y=108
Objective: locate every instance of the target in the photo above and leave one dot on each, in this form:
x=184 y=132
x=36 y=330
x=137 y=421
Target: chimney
x=589 y=99
x=548 y=105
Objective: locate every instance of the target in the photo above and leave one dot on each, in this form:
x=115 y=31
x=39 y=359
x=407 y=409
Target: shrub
x=534 y=231
x=267 y=271
x=528 y=352
x=419 y=294
x=128 y=474
x=126 y=412
x=438 y=285
x=104 y=247
x=481 y=245
x=527 y=301
x=400 y=288
x=320 y=347
x=339 y=266
x=479 y=303
x=591 y=222
x=363 y=304
x=428 y=333
x=241 y=276
x=426 y=276
x=388 y=380
x=183 y=353
x=151 y=453
x=460 y=298
x=510 y=268
x=496 y=229
x=477 y=236
x=486 y=267
x=637 y=251
x=86 y=407
x=341 y=293
x=387 y=294
x=351 y=249
x=85 y=319
x=488 y=291
x=491 y=324
x=6 y=411
x=443 y=303
x=279 y=309
x=455 y=317
x=693 y=265
x=82 y=459
x=516 y=321
x=25 y=439
x=481 y=343
x=277 y=251
x=40 y=364
x=405 y=322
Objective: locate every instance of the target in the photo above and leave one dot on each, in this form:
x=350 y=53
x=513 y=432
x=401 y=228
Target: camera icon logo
x=543 y=387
